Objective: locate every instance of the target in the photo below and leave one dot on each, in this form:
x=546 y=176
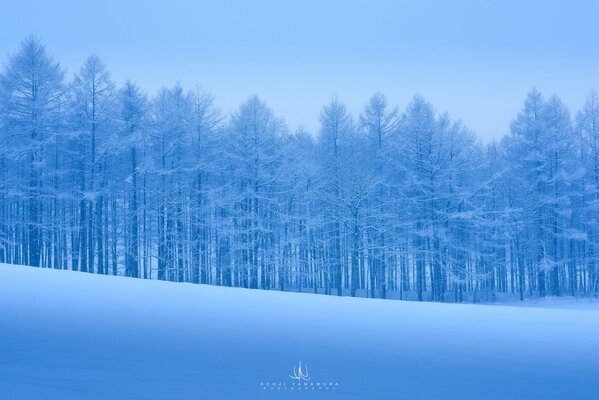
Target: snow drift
x=70 y=335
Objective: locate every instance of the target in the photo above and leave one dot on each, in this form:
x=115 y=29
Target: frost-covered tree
x=172 y=140
x=398 y=204
x=542 y=157
x=379 y=124
x=336 y=126
x=132 y=118
x=587 y=127
x=254 y=155
x=93 y=109
x=32 y=96
x=206 y=133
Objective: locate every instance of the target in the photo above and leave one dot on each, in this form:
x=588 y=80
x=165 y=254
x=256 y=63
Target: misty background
x=475 y=60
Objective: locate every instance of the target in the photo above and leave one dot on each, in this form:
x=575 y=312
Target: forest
x=401 y=204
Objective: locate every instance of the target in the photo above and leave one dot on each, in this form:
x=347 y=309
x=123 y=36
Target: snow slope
x=69 y=335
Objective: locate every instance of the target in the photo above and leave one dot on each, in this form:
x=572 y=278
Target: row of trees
x=103 y=179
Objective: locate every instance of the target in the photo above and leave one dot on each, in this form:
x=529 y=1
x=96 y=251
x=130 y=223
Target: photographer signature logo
x=299 y=374
x=300 y=382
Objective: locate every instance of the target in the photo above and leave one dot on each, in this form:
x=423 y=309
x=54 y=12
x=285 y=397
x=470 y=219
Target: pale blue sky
x=474 y=59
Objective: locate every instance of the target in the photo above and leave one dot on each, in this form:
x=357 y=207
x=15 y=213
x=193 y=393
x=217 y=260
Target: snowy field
x=69 y=335
x=567 y=303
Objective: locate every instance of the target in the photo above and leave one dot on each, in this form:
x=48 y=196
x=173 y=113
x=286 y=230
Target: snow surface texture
x=69 y=335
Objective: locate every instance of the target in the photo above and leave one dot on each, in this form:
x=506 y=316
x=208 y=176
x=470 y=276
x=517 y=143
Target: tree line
x=391 y=204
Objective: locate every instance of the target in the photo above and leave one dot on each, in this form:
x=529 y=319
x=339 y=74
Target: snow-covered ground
x=567 y=302
x=69 y=335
